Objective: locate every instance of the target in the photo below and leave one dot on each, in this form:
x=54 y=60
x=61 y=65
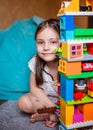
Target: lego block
x=69 y=68
x=89 y=3
x=65 y=50
x=64 y=5
x=46 y=110
x=90 y=85
x=66 y=35
x=88 y=111
x=67 y=86
x=78 y=96
x=76 y=126
x=85 y=49
x=66 y=112
x=71 y=51
x=77 y=117
x=62 y=66
x=67 y=23
x=76 y=50
x=63 y=127
x=83 y=33
x=86 y=57
x=73 y=6
x=84 y=100
x=90 y=93
x=90 y=48
x=87 y=66
x=82 y=75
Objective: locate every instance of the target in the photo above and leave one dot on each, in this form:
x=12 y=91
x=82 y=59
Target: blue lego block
x=63 y=127
x=67 y=22
x=66 y=88
x=66 y=35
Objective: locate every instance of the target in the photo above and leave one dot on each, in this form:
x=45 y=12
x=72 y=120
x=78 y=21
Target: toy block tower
x=75 y=67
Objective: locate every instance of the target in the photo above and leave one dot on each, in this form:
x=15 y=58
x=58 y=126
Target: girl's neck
x=52 y=64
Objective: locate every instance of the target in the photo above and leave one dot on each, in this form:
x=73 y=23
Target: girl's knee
x=25 y=104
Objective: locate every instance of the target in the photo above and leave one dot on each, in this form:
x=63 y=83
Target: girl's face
x=47 y=42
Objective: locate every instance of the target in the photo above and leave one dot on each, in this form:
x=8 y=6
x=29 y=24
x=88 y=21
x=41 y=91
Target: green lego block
x=83 y=33
x=86 y=99
x=82 y=75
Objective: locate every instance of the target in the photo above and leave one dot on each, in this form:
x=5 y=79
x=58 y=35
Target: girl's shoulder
x=31 y=63
x=33 y=59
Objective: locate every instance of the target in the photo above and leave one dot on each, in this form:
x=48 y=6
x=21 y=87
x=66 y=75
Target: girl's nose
x=46 y=46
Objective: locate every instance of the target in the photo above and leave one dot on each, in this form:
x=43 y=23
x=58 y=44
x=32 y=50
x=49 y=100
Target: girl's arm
x=39 y=93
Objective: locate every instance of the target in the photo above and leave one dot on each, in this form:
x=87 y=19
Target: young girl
x=44 y=74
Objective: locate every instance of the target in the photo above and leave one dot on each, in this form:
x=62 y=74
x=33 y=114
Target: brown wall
x=81 y=21
x=11 y=10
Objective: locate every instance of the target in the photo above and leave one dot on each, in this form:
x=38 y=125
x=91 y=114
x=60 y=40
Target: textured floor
x=11 y=118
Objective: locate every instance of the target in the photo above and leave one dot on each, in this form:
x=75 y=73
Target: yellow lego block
x=59 y=69
x=62 y=66
x=66 y=50
x=73 y=6
x=66 y=113
x=90 y=93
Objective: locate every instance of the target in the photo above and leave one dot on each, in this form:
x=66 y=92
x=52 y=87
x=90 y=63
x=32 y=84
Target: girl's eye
x=53 y=42
x=40 y=42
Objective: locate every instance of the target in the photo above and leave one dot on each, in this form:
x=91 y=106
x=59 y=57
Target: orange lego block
x=73 y=68
x=69 y=68
x=88 y=111
x=66 y=113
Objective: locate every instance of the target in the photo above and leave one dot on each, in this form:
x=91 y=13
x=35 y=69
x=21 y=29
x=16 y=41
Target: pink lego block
x=78 y=117
x=76 y=50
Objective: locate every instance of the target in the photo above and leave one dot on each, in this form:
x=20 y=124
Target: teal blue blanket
x=17 y=46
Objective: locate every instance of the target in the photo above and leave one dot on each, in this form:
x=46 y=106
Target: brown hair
x=54 y=24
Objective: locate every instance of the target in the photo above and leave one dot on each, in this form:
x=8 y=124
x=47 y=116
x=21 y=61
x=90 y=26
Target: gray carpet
x=11 y=118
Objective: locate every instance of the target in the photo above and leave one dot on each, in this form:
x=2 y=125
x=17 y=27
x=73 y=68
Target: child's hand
x=52 y=121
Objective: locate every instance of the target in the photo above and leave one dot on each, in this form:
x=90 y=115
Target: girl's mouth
x=47 y=54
